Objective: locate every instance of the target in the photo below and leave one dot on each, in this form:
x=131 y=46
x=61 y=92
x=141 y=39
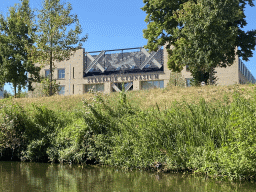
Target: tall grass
x=211 y=134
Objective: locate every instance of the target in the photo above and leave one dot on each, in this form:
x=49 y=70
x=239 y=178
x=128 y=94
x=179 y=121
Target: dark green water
x=29 y=177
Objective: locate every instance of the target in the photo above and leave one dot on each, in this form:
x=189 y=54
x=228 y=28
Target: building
x=237 y=73
x=136 y=68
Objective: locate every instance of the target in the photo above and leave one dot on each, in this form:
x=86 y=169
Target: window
x=188 y=82
x=152 y=84
x=61 y=73
x=47 y=73
x=94 y=87
x=62 y=90
x=119 y=85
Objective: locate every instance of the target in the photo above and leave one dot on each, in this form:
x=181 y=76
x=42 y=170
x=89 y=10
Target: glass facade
x=94 y=87
x=61 y=73
x=243 y=69
x=152 y=84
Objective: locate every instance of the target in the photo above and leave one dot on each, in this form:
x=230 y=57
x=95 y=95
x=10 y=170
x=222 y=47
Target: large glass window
x=152 y=84
x=62 y=90
x=47 y=73
x=61 y=73
x=94 y=87
x=119 y=85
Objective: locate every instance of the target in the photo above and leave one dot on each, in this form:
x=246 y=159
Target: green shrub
x=212 y=138
x=13 y=123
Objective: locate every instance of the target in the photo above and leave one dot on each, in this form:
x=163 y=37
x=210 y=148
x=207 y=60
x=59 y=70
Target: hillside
x=144 y=98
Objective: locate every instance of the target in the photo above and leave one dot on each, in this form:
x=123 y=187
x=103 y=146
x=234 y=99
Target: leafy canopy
x=56 y=40
x=203 y=34
x=16 y=38
x=55 y=33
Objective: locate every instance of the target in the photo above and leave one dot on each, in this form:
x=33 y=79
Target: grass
x=206 y=130
x=144 y=99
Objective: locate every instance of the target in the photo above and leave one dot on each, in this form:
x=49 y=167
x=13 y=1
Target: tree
x=16 y=39
x=203 y=34
x=54 y=43
x=7 y=94
x=176 y=79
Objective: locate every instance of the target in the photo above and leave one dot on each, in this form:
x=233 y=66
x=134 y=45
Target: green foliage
x=214 y=138
x=203 y=34
x=176 y=79
x=45 y=87
x=17 y=38
x=7 y=94
x=54 y=42
x=13 y=122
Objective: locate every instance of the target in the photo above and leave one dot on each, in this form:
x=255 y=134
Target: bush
x=212 y=138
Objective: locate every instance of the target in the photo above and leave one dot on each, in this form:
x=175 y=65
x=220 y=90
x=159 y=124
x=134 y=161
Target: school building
x=136 y=68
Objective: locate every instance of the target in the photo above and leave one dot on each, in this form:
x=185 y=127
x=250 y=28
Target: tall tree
x=203 y=34
x=55 y=42
x=16 y=35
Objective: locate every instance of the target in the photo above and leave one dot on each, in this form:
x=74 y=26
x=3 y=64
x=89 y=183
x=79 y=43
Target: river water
x=30 y=177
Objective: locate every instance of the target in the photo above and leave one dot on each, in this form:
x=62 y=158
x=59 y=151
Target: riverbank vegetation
x=206 y=130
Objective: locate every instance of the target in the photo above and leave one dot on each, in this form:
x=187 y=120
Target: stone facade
x=84 y=72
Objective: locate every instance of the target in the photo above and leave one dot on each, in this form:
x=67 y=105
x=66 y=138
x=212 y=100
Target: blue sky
x=115 y=24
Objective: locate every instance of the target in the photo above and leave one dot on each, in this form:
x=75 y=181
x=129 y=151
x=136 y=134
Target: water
x=16 y=176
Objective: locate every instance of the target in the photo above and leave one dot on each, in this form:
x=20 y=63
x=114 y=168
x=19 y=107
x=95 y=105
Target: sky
x=117 y=24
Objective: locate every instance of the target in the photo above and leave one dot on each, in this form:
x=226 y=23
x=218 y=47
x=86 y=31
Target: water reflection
x=16 y=176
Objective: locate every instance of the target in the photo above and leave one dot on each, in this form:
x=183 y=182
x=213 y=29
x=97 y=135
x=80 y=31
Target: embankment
x=207 y=130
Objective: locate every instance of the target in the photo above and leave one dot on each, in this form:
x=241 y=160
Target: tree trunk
x=210 y=76
x=14 y=86
x=50 y=73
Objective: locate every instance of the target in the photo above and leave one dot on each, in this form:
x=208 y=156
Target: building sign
x=121 y=78
x=106 y=62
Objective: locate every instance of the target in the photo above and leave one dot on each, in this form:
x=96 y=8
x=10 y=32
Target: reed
x=206 y=130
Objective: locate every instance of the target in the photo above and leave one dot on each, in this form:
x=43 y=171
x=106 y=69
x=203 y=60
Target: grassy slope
x=213 y=136
x=144 y=99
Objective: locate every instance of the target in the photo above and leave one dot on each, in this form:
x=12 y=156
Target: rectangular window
x=61 y=73
x=62 y=90
x=188 y=80
x=73 y=89
x=73 y=72
x=94 y=87
x=47 y=73
x=152 y=84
